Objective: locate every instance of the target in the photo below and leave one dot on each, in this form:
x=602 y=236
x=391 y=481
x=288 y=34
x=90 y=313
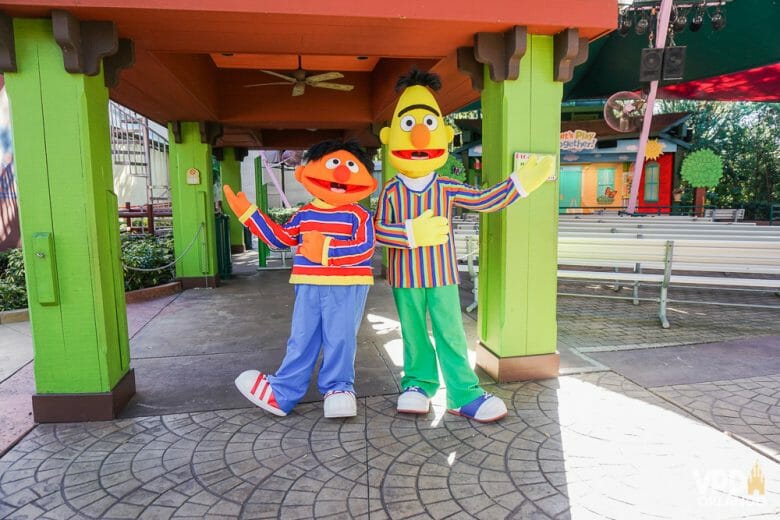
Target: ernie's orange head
x=337 y=173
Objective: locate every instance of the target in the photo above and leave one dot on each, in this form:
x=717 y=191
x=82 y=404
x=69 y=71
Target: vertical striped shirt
x=349 y=243
x=431 y=266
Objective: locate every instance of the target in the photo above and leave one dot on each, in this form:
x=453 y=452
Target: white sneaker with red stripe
x=339 y=403
x=256 y=387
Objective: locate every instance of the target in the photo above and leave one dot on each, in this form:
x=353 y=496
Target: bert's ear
x=450 y=134
x=384 y=135
x=299 y=173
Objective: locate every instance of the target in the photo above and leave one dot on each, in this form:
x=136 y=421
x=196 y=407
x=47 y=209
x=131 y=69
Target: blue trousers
x=327 y=318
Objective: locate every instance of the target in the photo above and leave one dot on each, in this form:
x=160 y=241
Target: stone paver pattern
x=582 y=446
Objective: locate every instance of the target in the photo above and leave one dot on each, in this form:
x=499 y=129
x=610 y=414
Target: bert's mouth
x=419 y=155
x=337 y=187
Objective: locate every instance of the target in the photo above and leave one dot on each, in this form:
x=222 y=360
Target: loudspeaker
x=650 y=65
x=674 y=63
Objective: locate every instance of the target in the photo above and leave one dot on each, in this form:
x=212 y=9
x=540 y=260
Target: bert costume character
x=412 y=220
x=331 y=273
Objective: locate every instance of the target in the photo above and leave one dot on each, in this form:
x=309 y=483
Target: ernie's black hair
x=320 y=150
x=418 y=77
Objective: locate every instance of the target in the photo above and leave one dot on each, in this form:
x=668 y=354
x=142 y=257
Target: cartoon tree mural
x=702 y=169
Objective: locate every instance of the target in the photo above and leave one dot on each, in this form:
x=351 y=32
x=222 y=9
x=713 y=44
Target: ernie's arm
x=336 y=252
x=260 y=224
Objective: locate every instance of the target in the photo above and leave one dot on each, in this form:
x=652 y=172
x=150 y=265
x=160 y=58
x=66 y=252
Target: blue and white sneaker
x=486 y=408
x=413 y=400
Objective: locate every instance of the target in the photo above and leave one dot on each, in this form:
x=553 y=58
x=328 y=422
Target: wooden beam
x=501 y=52
x=469 y=65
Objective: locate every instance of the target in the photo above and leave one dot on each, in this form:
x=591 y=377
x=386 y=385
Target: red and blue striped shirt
x=349 y=246
x=430 y=266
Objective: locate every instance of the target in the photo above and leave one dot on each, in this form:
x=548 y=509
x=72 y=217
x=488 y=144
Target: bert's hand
x=238 y=203
x=312 y=246
x=429 y=230
x=533 y=173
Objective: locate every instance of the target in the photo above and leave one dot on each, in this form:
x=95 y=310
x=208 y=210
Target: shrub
x=282 y=215
x=146 y=252
x=13 y=294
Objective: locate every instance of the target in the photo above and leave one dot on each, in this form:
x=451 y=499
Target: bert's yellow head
x=417 y=136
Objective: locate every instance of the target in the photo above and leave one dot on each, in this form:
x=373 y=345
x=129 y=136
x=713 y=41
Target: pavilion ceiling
x=193 y=60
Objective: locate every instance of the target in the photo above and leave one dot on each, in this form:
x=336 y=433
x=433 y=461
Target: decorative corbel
x=83 y=44
x=176 y=131
x=501 y=52
x=210 y=131
x=123 y=59
x=569 y=50
x=240 y=153
x=468 y=65
x=7 y=45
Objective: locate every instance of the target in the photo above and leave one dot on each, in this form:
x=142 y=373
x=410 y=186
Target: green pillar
x=192 y=200
x=230 y=168
x=518 y=247
x=70 y=232
x=261 y=194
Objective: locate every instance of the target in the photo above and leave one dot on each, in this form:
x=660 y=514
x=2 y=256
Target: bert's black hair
x=417 y=77
x=320 y=150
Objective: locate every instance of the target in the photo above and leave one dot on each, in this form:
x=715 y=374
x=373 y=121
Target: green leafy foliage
x=146 y=252
x=746 y=137
x=702 y=169
x=13 y=294
x=281 y=215
x=453 y=169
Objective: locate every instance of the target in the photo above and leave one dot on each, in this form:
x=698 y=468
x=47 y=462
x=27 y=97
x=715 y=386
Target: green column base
x=518 y=368
x=103 y=406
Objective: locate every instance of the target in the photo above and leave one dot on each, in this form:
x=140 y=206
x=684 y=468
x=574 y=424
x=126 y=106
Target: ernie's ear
x=450 y=134
x=299 y=173
x=384 y=135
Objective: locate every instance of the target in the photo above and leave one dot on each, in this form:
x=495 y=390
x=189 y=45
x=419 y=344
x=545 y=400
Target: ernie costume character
x=412 y=221
x=331 y=273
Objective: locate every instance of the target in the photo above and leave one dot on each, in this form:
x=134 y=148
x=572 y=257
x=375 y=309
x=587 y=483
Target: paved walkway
x=632 y=430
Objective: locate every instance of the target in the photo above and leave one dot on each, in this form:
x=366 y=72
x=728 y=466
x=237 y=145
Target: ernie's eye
x=352 y=166
x=431 y=122
x=332 y=163
x=407 y=123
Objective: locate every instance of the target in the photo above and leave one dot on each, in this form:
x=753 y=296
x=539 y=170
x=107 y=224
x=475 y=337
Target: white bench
x=701 y=262
x=732 y=214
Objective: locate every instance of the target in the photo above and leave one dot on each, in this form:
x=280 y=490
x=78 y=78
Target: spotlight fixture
x=698 y=20
x=718 y=20
x=642 y=25
x=680 y=22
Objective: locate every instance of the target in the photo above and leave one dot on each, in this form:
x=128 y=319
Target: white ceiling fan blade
x=299 y=88
x=264 y=84
x=283 y=76
x=324 y=77
x=334 y=86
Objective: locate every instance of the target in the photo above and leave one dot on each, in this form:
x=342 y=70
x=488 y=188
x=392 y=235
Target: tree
x=746 y=137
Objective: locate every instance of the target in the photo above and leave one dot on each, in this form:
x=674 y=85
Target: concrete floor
x=637 y=427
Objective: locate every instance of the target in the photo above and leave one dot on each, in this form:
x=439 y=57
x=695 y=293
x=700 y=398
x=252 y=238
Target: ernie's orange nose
x=421 y=136
x=341 y=174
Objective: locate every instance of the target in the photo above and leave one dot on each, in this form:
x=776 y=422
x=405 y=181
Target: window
x=652 y=173
x=606 y=184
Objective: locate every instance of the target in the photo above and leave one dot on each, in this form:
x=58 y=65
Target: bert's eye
x=332 y=163
x=431 y=122
x=407 y=123
x=352 y=166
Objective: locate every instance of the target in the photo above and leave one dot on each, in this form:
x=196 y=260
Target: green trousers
x=420 y=367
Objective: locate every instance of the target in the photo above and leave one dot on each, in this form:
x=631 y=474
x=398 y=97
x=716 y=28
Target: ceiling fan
x=300 y=78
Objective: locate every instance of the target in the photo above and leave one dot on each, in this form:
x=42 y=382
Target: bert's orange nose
x=421 y=136
x=341 y=174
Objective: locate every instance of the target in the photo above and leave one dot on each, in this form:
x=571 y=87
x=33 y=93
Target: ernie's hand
x=428 y=230
x=313 y=246
x=533 y=173
x=237 y=202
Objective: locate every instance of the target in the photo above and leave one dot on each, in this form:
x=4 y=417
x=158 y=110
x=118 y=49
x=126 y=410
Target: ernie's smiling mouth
x=419 y=155
x=337 y=187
